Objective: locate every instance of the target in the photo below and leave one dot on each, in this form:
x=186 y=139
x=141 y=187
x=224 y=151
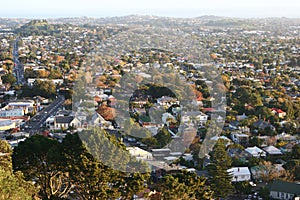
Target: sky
x=170 y=8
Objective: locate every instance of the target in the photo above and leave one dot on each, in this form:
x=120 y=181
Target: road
x=18 y=67
x=36 y=122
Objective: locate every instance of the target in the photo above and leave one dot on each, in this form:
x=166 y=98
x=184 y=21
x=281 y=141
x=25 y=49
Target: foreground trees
x=220 y=179
x=37 y=159
x=59 y=168
x=184 y=185
x=12 y=185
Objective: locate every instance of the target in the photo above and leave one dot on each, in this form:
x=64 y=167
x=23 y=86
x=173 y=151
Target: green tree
x=296 y=151
x=8 y=79
x=6 y=152
x=264 y=193
x=93 y=180
x=184 y=185
x=36 y=158
x=220 y=179
x=12 y=185
x=242 y=187
x=163 y=137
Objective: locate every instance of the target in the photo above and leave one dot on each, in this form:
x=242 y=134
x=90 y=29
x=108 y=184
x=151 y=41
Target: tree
x=37 y=158
x=5 y=151
x=184 y=185
x=132 y=184
x=220 y=179
x=296 y=151
x=8 y=79
x=12 y=185
x=106 y=112
x=243 y=187
x=264 y=193
x=163 y=137
x=93 y=180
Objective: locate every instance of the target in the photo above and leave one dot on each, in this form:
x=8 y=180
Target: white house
x=167 y=101
x=256 y=152
x=31 y=81
x=196 y=117
x=139 y=153
x=65 y=122
x=272 y=151
x=240 y=174
x=98 y=120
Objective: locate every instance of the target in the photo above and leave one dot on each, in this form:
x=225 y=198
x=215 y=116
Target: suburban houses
x=160 y=105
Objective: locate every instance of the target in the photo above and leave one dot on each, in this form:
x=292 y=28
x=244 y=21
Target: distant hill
x=38 y=27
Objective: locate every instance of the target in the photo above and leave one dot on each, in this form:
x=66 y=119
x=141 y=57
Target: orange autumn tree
x=108 y=113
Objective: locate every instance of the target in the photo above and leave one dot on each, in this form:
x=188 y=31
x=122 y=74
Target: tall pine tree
x=220 y=179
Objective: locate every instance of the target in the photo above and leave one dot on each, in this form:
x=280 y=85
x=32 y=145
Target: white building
x=15 y=112
x=139 y=153
x=195 y=117
x=31 y=81
x=167 y=101
x=256 y=152
x=26 y=105
x=7 y=125
x=272 y=151
x=240 y=174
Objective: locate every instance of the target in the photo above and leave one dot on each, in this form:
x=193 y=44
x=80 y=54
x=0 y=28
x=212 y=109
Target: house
x=237 y=153
x=280 y=113
x=262 y=125
x=65 y=122
x=265 y=171
x=287 y=147
x=256 y=152
x=167 y=101
x=98 y=120
x=240 y=174
x=272 y=151
x=241 y=117
x=240 y=138
x=30 y=81
x=222 y=137
x=264 y=140
x=284 y=190
x=195 y=117
x=7 y=125
x=139 y=153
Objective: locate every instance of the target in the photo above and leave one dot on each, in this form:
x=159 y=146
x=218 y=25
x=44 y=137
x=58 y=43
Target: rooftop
x=286 y=187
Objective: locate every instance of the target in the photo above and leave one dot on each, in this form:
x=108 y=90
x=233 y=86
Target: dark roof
x=263 y=124
x=64 y=119
x=286 y=187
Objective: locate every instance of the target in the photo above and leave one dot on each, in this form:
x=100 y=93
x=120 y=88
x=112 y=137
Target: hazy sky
x=174 y=8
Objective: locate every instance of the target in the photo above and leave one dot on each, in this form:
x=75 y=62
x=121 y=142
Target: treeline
x=42 y=168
